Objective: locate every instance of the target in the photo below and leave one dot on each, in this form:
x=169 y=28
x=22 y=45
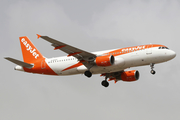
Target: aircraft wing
x=81 y=55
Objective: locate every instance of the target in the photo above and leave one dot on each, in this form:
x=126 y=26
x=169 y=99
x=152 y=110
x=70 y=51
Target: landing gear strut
x=88 y=74
x=152 y=67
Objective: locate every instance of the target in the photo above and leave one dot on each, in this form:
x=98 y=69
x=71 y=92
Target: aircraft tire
x=153 y=72
x=105 y=83
x=88 y=74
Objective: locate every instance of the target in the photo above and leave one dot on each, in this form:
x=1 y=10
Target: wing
x=116 y=76
x=81 y=55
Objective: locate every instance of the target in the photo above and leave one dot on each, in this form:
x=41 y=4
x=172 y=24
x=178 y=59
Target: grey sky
x=90 y=25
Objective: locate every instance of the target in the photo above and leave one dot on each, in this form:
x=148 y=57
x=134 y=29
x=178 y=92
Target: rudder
x=29 y=51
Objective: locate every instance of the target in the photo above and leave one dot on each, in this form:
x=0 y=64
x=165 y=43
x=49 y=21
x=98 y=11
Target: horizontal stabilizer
x=23 y=64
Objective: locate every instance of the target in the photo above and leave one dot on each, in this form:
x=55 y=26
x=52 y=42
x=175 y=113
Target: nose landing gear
x=153 y=72
x=152 y=67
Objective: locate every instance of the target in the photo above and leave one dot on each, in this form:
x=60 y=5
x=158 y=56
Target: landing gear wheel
x=153 y=72
x=105 y=83
x=88 y=74
x=152 y=66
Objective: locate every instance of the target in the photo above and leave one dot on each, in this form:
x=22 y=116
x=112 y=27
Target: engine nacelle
x=105 y=60
x=130 y=76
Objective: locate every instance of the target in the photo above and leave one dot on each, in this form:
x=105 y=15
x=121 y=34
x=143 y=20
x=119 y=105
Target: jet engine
x=105 y=60
x=130 y=76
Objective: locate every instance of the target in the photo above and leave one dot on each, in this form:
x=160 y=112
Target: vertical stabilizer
x=29 y=51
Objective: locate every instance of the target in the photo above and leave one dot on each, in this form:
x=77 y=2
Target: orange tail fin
x=29 y=51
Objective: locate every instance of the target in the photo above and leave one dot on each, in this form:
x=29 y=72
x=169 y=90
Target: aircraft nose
x=172 y=54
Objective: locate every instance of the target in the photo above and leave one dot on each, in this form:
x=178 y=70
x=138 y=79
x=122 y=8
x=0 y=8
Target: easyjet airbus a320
x=109 y=63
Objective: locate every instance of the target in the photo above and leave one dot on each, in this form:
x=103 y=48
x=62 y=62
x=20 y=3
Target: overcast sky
x=90 y=25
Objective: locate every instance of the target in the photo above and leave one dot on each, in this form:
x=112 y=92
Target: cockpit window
x=163 y=48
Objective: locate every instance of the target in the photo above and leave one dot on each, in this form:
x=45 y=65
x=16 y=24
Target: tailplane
x=20 y=63
x=29 y=51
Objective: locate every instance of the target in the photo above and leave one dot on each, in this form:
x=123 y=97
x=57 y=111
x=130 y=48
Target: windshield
x=163 y=48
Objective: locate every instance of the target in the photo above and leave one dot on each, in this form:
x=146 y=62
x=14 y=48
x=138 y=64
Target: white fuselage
x=132 y=58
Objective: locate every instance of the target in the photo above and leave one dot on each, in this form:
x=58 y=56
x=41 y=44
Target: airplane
x=109 y=63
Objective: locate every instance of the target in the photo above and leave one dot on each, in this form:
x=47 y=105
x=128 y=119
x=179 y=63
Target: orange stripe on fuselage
x=40 y=67
x=131 y=49
x=74 y=66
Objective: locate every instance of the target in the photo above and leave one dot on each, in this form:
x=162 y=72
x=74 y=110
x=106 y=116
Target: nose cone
x=171 y=54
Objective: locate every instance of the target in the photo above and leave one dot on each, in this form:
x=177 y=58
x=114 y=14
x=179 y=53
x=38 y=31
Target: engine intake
x=130 y=76
x=105 y=60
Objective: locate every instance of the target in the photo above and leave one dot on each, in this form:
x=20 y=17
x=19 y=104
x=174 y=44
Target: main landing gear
x=105 y=83
x=152 y=67
x=88 y=74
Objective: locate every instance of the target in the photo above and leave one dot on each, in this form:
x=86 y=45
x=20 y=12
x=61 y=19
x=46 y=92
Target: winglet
x=38 y=36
